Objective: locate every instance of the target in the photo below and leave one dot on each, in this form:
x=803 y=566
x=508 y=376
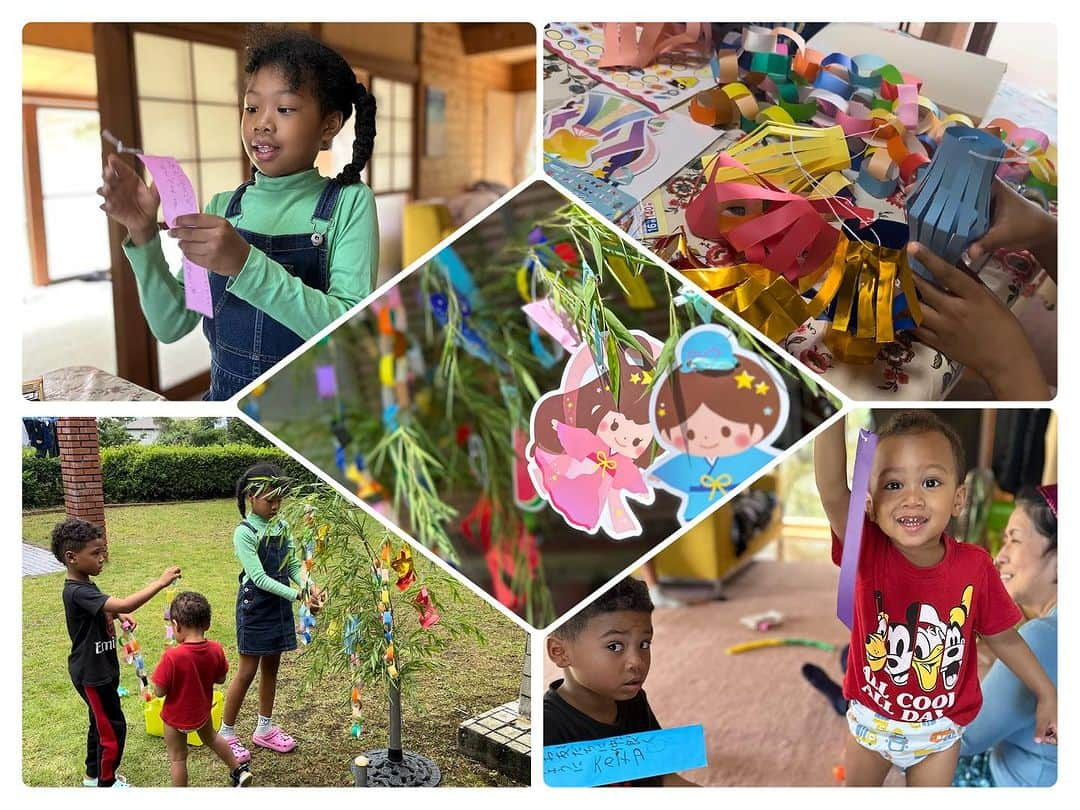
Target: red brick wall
x=80 y=469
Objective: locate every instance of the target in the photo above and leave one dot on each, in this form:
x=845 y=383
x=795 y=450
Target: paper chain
x=133 y=656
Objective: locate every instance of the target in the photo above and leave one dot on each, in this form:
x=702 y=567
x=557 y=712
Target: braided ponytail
x=307 y=63
x=363 y=138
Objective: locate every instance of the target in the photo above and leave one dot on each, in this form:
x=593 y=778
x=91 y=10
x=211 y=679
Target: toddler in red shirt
x=185 y=677
x=921 y=598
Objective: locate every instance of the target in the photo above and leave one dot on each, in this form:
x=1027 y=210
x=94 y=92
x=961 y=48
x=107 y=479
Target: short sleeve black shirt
x=565 y=724
x=93 y=660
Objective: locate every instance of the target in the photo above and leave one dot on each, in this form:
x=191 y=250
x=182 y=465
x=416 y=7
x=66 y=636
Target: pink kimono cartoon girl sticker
x=587 y=451
x=714 y=413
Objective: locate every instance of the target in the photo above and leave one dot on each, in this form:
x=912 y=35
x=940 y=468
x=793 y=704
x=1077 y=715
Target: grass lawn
x=143 y=541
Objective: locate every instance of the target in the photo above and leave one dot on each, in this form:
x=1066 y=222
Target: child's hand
x=1017 y=224
x=169 y=576
x=316 y=599
x=127 y=618
x=211 y=242
x=1046 y=721
x=128 y=200
x=970 y=325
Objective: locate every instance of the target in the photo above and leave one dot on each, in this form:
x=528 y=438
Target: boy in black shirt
x=93 y=664
x=604 y=654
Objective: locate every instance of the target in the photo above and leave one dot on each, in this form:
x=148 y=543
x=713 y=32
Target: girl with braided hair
x=289 y=250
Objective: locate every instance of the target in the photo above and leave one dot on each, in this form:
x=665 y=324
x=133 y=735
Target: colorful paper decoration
x=351 y=642
x=326 y=381
x=674 y=68
x=592 y=763
x=250 y=404
x=403 y=566
x=178 y=198
x=308 y=622
x=715 y=413
x=429 y=617
x=789 y=237
x=612 y=151
x=170 y=639
x=849 y=560
x=950 y=208
x=133 y=656
x=503 y=556
x=586 y=451
x=394 y=362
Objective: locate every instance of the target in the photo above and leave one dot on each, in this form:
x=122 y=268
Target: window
x=189 y=108
x=392 y=161
x=68 y=160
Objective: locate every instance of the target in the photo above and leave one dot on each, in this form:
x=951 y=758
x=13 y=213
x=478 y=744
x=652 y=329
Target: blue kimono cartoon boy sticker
x=715 y=413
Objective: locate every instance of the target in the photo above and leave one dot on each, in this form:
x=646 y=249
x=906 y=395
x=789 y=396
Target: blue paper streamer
x=455 y=270
x=622 y=759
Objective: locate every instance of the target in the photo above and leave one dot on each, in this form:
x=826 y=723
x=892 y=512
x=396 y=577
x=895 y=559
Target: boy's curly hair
x=627 y=594
x=190 y=609
x=910 y=423
x=72 y=535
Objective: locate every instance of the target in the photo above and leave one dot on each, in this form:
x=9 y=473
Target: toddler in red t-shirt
x=185 y=677
x=921 y=598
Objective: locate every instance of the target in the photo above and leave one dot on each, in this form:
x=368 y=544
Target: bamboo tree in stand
x=364 y=631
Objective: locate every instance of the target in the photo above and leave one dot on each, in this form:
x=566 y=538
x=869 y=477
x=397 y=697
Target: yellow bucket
x=156 y=728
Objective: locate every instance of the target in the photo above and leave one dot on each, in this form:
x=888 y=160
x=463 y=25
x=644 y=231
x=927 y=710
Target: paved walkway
x=37 y=561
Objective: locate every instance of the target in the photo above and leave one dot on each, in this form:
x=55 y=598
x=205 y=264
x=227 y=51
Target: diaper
x=902 y=744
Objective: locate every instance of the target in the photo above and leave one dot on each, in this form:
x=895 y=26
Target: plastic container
x=156 y=728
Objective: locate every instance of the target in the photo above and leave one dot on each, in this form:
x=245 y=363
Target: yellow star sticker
x=635 y=377
x=744 y=380
x=646 y=377
x=661 y=412
x=570 y=148
x=761 y=389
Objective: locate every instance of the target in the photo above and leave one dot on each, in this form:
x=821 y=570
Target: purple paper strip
x=326 y=381
x=849 y=561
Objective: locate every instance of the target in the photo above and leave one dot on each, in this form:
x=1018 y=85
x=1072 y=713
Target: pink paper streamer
x=544 y=315
x=849 y=561
x=177 y=199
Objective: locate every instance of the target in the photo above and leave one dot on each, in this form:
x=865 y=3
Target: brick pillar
x=525 y=689
x=80 y=468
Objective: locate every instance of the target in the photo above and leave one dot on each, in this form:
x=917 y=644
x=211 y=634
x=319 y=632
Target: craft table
x=902 y=370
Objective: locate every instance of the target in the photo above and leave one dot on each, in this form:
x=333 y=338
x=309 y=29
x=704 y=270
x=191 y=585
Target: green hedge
x=137 y=473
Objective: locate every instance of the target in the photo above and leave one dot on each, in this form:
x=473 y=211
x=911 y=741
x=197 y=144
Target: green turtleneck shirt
x=276 y=206
x=246 y=546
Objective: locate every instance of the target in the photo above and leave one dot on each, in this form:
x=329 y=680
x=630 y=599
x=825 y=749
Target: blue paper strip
x=450 y=263
x=622 y=759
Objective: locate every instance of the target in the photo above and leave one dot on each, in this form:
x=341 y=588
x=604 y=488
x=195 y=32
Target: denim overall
x=244 y=341
x=264 y=621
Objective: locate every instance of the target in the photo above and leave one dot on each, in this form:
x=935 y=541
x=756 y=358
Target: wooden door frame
x=114 y=50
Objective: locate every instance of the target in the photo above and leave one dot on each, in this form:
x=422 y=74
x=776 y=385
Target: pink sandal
x=239 y=751
x=275 y=739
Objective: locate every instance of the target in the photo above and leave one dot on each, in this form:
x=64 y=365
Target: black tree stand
x=394 y=767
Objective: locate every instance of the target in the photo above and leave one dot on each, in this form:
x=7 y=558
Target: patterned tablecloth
x=902 y=370
x=86 y=383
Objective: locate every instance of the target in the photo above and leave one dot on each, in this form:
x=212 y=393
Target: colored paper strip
x=622 y=759
x=849 y=561
x=178 y=198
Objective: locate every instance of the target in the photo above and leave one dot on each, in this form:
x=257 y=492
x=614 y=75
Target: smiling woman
x=1004 y=728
